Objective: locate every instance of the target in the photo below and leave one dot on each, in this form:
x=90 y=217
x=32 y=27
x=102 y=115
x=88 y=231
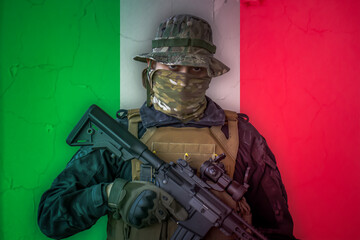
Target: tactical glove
x=141 y=204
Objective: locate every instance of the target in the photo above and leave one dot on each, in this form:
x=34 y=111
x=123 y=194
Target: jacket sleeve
x=266 y=194
x=77 y=197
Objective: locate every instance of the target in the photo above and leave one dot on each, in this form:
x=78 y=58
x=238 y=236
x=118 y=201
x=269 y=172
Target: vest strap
x=231 y=143
x=133 y=127
x=133 y=120
x=146 y=171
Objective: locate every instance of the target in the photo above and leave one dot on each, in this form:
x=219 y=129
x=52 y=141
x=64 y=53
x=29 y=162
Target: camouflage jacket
x=77 y=198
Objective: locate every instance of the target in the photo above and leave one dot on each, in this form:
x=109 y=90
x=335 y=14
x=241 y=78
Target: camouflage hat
x=185 y=40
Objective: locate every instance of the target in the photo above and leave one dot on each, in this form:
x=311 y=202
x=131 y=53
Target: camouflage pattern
x=180 y=95
x=185 y=27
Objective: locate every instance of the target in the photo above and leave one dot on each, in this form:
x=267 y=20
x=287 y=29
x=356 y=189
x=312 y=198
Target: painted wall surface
x=139 y=22
x=56 y=59
x=300 y=85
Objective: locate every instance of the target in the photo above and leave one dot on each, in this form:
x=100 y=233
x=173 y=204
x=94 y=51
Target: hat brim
x=214 y=66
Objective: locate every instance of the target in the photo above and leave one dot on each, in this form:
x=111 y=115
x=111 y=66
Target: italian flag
x=294 y=71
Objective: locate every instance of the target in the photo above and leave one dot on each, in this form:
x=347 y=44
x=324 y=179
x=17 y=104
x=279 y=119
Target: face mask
x=180 y=95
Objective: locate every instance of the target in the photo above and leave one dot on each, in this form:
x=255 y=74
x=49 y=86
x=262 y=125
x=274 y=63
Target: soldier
x=177 y=121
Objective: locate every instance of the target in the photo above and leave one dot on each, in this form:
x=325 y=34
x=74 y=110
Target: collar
x=213 y=116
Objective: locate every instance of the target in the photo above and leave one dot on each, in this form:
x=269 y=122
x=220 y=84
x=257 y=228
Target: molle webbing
x=230 y=145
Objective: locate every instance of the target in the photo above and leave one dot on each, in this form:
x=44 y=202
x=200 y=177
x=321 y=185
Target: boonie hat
x=185 y=40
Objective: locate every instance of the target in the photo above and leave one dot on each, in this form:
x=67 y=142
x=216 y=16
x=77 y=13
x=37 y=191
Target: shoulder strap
x=231 y=144
x=139 y=171
x=134 y=118
x=230 y=115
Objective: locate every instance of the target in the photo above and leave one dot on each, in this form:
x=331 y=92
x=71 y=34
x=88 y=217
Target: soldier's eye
x=173 y=67
x=196 y=69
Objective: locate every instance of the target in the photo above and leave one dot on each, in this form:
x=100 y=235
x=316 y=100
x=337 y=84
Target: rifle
x=97 y=129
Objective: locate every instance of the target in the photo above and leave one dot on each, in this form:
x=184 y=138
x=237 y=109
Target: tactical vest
x=195 y=145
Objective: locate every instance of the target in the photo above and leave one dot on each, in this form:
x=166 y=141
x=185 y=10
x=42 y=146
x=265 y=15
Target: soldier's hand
x=141 y=204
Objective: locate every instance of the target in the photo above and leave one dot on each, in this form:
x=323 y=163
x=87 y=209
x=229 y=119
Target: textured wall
x=139 y=22
x=56 y=58
x=300 y=85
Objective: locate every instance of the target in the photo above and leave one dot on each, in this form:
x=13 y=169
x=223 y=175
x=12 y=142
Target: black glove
x=141 y=204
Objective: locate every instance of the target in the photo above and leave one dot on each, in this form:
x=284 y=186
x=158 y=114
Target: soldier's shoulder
x=247 y=131
x=251 y=139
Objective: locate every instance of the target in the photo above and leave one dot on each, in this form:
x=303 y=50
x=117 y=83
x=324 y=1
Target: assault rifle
x=99 y=130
